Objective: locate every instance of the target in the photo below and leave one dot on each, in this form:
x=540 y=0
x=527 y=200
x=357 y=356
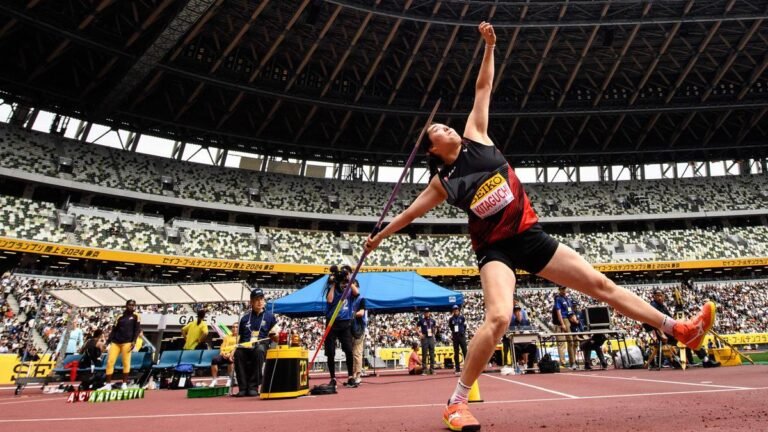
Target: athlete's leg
x=112 y=353
x=125 y=351
x=498 y=283
x=568 y=268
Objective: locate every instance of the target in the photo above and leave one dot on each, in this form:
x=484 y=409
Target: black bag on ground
x=93 y=381
x=547 y=365
x=323 y=389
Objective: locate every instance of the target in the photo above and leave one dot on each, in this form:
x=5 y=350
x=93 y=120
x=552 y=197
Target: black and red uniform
x=502 y=223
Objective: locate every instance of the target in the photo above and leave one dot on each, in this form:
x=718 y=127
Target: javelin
x=376 y=229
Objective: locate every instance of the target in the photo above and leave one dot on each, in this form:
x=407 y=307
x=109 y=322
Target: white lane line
x=658 y=381
x=363 y=408
x=533 y=387
x=22 y=401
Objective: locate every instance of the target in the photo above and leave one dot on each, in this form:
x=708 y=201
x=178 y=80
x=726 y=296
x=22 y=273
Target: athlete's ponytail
x=434 y=165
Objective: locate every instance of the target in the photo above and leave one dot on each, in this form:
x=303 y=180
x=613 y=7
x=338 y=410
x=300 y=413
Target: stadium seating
x=168 y=360
x=26 y=219
x=37 y=152
x=206 y=359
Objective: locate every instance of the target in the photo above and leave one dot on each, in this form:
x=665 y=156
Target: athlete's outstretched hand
x=371 y=243
x=486 y=31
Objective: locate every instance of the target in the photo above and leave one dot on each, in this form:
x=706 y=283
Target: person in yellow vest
x=195 y=332
x=226 y=357
x=121 y=341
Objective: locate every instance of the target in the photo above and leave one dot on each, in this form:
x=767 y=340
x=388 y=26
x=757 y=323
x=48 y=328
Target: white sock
x=460 y=395
x=668 y=325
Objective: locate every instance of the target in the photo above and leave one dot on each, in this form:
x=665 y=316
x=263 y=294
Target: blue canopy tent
x=387 y=292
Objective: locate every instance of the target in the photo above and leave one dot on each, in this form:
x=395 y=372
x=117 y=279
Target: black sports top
x=481 y=182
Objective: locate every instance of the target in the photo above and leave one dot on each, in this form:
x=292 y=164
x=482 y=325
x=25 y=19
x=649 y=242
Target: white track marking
x=533 y=387
x=659 y=381
x=22 y=401
x=363 y=408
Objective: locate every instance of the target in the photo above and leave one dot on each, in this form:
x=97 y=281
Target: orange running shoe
x=692 y=332
x=458 y=418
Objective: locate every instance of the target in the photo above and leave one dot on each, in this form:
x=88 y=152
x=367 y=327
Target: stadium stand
x=33 y=220
x=742 y=307
x=37 y=152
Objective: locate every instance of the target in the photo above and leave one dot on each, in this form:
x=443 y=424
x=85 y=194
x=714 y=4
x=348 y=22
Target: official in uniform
x=458 y=326
x=359 y=324
x=426 y=328
x=249 y=361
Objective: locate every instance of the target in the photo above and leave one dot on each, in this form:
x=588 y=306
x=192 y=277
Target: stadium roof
x=222 y=292
x=578 y=81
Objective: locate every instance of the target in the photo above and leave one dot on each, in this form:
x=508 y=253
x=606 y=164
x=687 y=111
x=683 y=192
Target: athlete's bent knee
x=498 y=324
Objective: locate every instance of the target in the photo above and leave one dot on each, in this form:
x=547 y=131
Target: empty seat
x=191 y=357
x=168 y=359
x=207 y=357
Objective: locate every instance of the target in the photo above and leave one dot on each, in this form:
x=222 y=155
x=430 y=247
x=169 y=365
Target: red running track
x=618 y=400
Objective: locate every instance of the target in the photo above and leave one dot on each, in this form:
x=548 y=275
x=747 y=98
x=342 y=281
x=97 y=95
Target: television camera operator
x=342 y=326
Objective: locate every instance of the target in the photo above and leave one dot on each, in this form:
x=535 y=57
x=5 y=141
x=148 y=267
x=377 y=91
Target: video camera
x=339 y=276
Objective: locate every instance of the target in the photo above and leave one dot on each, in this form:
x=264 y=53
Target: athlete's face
x=442 y=138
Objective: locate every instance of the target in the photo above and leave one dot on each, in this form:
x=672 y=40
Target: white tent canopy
x=218 y=292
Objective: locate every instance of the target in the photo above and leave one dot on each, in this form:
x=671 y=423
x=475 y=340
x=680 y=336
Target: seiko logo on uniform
x=491 y=197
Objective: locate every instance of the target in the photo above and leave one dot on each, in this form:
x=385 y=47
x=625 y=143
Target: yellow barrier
x=44 y=248
x=11 y=368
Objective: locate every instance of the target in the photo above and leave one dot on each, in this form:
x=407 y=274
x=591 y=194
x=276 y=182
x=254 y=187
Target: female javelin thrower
x=505 y=234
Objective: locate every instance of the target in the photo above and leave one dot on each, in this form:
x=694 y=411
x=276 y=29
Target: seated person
x=255 y=325
x=658 y=303
x=414 y=362
x=594 y=343
x=92 y=350
x=226 y=357
x=525 y=353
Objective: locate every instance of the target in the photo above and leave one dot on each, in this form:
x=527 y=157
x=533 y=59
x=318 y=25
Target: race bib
x=491 y=197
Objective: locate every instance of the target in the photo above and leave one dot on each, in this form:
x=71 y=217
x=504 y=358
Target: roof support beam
x=168 y=38
x=232 y=44
x=478 y=46
x=715 y=126
x=623 y=53
x=651 y=123
x=582 y=56
x=683 y=126
x=264 y=60
x=543 y=59
x=550 y=24
x=339 y=64
x=670 y=37
x=756 y=117
x=404 y=72
x=692 y=62
x=299 y=69
x=62 y=46
x=725 y=66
